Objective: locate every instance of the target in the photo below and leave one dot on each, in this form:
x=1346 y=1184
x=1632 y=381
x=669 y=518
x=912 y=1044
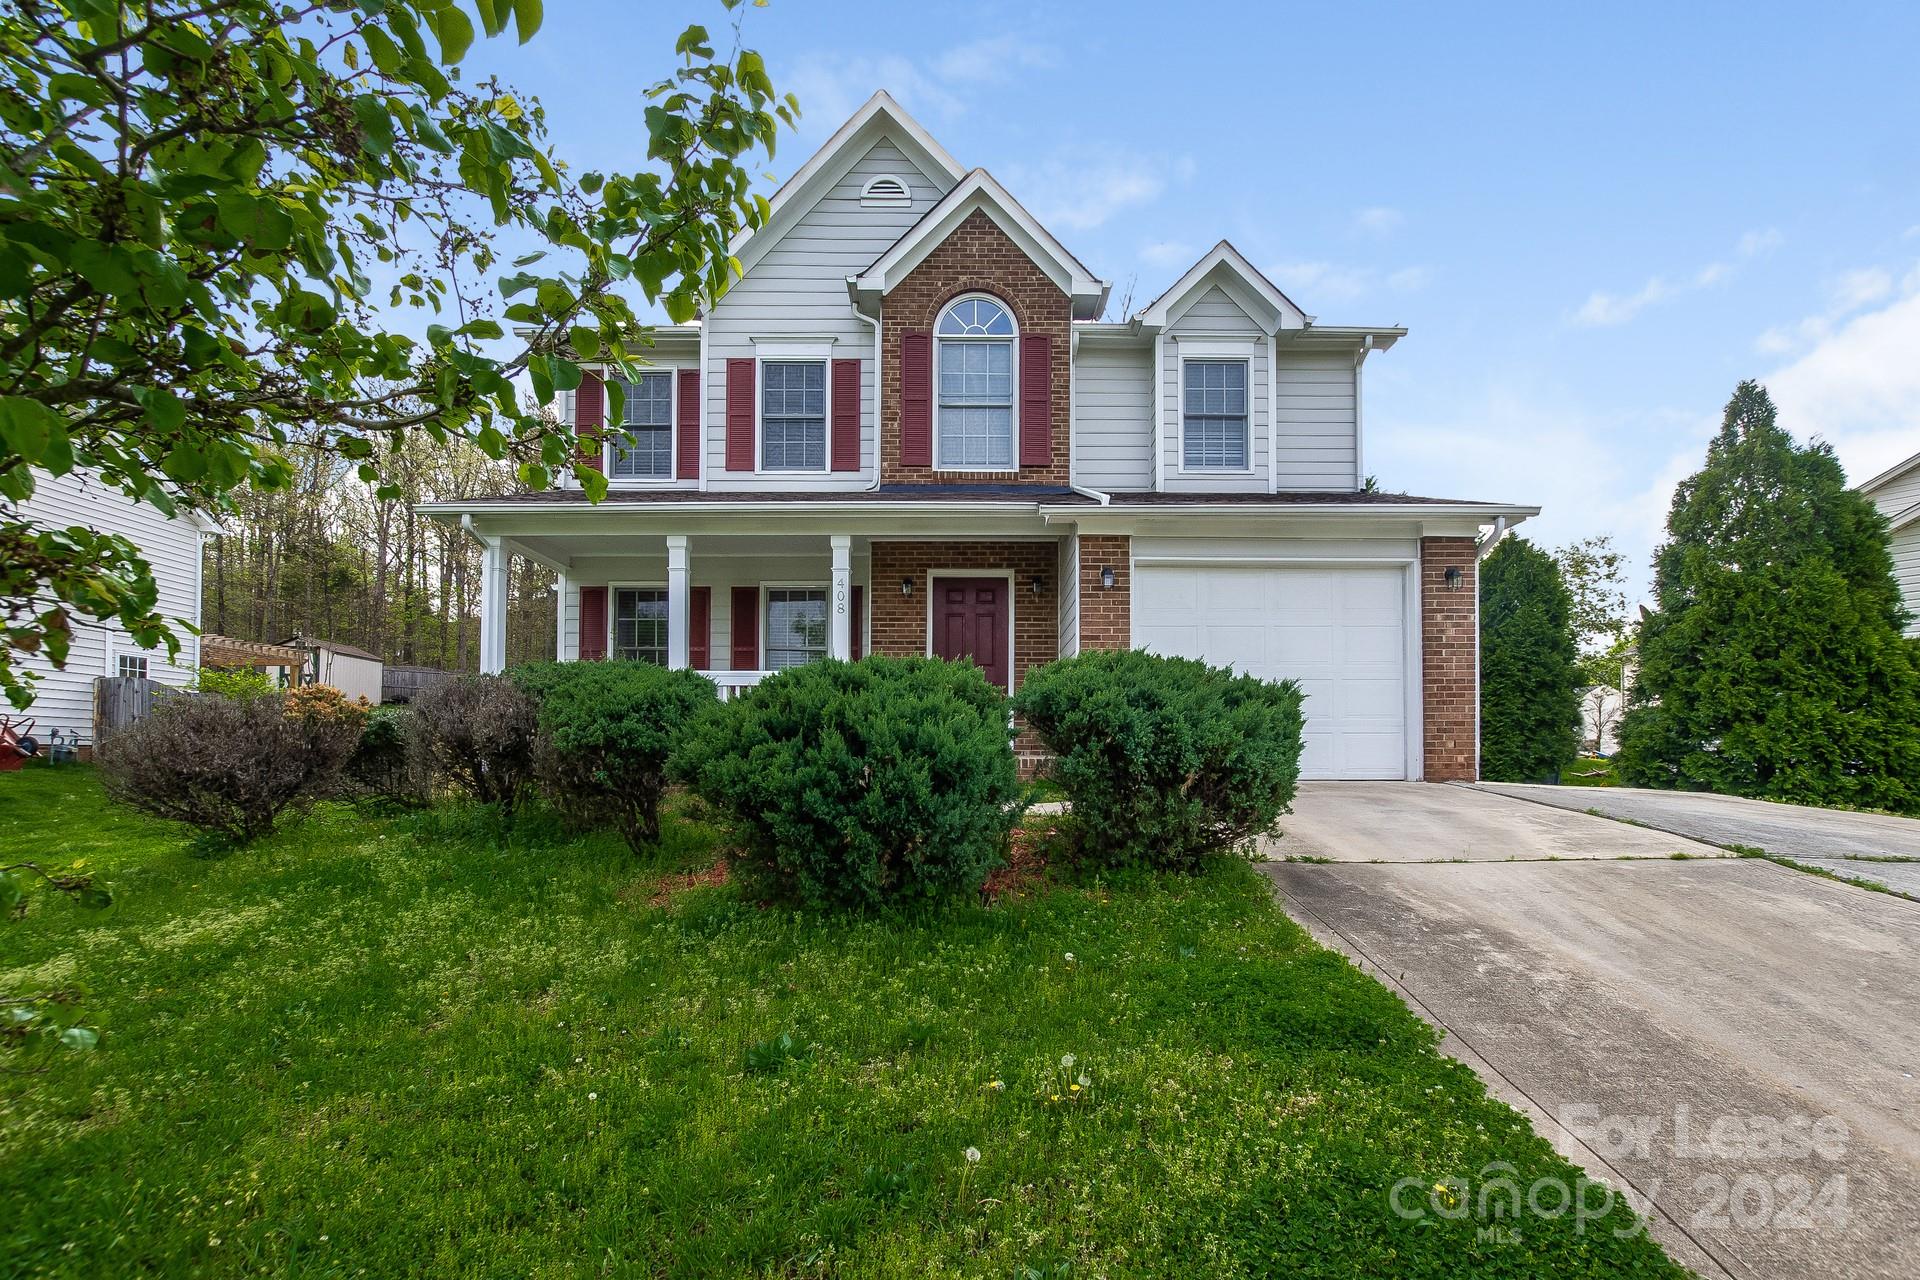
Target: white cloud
x=1590 y=472
x=990 y=60
x=1168 y=253
x=1858 y=388
x=1079 y=190
x=831 y=88
x=1379 y=220
x=1603 y=309
x=1336 y=282
x=1846 y=293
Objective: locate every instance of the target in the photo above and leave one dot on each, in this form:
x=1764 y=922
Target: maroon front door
x=970 y=621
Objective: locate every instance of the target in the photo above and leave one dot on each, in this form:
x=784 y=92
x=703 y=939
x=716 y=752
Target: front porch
x=738 y=606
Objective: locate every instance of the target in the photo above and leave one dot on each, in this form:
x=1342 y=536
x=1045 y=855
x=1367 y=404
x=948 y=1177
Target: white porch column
x=493 y=608
x=840 y=599
x=679 y=602
x=560 y=618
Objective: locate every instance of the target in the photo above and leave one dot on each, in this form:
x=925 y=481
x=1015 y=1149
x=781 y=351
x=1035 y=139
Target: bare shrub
x=479 y=733
x=231 y=767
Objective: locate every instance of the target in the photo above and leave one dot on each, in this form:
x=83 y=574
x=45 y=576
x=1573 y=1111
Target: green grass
x=396 y=1046
x=1589 y=771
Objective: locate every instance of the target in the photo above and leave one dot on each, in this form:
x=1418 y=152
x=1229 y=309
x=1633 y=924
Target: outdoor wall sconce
x=906 y=586
x=1454 y=577
x=1106 y=578
x=1035 y=585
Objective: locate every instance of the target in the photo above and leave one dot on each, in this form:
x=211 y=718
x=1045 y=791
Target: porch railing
x=734 y=683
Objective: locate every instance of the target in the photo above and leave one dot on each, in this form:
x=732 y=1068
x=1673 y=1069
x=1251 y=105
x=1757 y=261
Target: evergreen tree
x=1529 y=670
x=1774 y=664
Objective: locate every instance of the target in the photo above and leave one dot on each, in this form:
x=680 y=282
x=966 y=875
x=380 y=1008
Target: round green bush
x=886 y=782
x=1166 y=761
x=606 y=731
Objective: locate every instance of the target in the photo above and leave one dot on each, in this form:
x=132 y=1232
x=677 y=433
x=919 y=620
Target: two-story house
x=1896 y=492
x=906 y=429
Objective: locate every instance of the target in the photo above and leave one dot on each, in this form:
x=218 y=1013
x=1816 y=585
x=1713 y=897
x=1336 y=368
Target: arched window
x=974 y=372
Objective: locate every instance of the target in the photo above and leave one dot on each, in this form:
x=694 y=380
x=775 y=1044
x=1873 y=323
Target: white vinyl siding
x=798 y=293
x=1314 y=400
x=64 y=698
x=1113 y=415
x=1208 y=330
x=1906 y=571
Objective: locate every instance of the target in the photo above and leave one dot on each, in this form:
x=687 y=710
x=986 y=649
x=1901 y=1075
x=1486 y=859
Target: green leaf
x=586 y=342
x=454 y=30
x=81 y=1038
x=376 y=124
x=526 y=18
x=28 y=427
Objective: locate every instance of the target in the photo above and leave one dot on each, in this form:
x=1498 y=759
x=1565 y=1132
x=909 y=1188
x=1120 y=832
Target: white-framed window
x=1213 y=415
x=793 y=415
x=796 y=631
x=640 y=624
x=973 y=375
x=642 y=448
x=132 y=664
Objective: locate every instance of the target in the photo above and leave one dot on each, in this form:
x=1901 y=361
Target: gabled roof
x=1901 y=519
x=1226 y=267
x=981 y=192
x=1893 y=473
x=880 y=117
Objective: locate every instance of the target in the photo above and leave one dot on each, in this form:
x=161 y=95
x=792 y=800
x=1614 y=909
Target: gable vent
x=885 y=192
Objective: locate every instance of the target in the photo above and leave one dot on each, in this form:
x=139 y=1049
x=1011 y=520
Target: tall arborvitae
x=1774 y=665
x=1529 y=674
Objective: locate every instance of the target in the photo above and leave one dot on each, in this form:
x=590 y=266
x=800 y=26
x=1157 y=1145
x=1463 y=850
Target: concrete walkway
x=1658 y=1018
x=1402 y=822
x=1790 y=830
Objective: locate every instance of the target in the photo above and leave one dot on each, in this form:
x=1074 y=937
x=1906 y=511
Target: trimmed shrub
x=390 y=762
x=1166 y=761
x=235 y=682
x=232 y=766
x=887 y=782
x=1529 y=669
x=478 y=733
x=606 y=730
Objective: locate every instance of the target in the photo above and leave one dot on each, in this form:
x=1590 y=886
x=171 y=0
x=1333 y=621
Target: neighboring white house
x=353 y=671
x=1897 y=494
x=908 y=428
x=171 y=545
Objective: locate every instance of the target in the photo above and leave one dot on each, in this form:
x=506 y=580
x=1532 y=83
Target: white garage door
x=1340 y=632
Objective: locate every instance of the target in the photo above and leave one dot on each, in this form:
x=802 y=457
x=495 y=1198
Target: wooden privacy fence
x=401 y=684
x=119 y=701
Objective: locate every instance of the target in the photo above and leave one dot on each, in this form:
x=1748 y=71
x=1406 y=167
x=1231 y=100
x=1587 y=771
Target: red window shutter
x=916 y=400
x=589 y=412
x=1036 y=400
x=740 y=414
x=746 y=628
x=688 y=426
x=700 y=629
x=593 y=623
x=859 y=624
x=846 y=415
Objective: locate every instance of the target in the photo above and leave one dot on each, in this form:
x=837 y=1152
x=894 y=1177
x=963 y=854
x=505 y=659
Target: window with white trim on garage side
x=793 y=415
x=975 y=381
x=643 y=449
x=131 y=664
x=1213 y=431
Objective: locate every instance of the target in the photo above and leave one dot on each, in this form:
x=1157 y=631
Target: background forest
x=328 y=558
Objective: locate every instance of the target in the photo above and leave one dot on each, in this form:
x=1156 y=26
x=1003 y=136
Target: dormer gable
x=980 y=193
x=1225 y=268
x=881 y=119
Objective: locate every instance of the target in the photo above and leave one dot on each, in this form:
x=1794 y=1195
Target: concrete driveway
x=1855 y=845
x=1731 y=1041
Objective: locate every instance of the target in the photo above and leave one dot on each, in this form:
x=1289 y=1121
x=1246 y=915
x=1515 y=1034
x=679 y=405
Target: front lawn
x=387 y=1045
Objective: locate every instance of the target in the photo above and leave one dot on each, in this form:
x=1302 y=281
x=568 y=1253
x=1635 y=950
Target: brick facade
x=1449 y=659
x=977 y=258
x=1106 y=615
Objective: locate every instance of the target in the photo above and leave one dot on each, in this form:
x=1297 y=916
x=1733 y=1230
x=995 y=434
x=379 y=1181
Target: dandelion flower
x=973 y=1155
x=593 y=1097
x=1073 y=1088
x=1067 y=1060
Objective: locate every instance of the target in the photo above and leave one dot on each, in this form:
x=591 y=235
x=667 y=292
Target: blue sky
x=1594 y=223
